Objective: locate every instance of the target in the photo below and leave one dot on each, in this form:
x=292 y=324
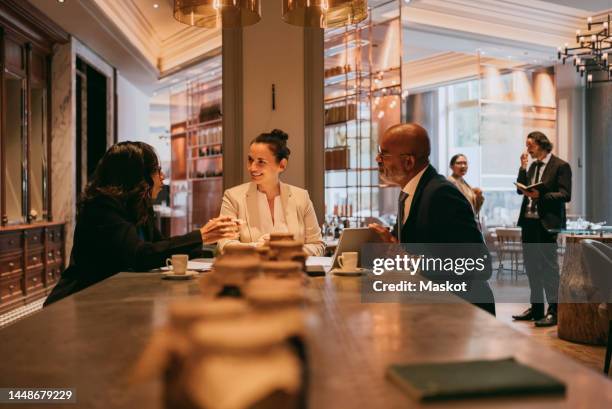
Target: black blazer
x=107 y=241
x=440 y=213
x=557 y=190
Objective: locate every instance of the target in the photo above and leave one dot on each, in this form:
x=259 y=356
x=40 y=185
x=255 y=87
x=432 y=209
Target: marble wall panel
x=63 y=175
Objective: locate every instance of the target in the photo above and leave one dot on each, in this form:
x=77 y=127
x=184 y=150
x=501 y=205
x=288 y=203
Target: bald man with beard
x=431 y=210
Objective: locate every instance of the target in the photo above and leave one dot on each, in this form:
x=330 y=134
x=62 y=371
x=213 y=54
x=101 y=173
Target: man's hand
x=384 y=234
x=524 y=160
x=535 y=194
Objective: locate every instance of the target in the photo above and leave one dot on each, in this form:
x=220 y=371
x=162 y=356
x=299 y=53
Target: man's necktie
x=400 y=213
x=539 y=165
x=536 y=179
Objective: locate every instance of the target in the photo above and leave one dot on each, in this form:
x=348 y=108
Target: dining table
x=91 y=340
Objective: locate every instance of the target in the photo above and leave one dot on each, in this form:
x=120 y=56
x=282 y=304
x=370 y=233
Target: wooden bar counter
x=579 y=321
x=90 y=341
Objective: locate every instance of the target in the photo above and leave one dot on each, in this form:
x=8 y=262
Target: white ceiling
x=423 y=41
x=160 y=18
x=588 y=5
x=143 y=41
x=140 y=40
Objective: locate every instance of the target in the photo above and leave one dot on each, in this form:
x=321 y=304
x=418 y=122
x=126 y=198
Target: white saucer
x=169 y=275
x=352 y=272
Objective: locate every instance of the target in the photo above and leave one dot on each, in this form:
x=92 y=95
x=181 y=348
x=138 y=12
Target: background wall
x=133 y=120
x=571 y=131
x=599 y=153
x=273 y=53
x=63 y=140
x=132 y=112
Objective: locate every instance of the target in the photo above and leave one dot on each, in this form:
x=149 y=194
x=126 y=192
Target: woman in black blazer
x=115 y=228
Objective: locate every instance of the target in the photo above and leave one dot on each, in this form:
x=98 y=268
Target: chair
x=598 y=263
x=509 y=244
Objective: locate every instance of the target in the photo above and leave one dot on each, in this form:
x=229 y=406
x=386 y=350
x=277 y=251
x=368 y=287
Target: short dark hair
x=541 y=140
x=455 y=157
x=276 y=141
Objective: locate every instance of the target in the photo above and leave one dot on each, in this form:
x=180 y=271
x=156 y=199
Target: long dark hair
x=125 y=174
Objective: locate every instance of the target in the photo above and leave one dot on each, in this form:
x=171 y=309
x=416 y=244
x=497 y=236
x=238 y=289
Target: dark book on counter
x=536 y=186
x=472 y=379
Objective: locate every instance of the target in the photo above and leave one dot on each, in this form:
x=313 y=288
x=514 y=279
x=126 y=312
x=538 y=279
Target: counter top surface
x=89 y=341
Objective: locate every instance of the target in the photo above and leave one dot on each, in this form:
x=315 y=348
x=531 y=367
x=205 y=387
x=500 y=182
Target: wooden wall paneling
x=24 y=247
x=32 y=258
x=21 y=17
x=3 y=215
x=28 y=131
x=38 y=68
x=47 y=176
x=14 y=54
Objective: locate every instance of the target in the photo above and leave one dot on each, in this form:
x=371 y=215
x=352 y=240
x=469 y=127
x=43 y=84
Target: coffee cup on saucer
x=349 y=260
x=178 y=263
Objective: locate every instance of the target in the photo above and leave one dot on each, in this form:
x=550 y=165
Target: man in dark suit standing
x=430 y=208
x=542 y=209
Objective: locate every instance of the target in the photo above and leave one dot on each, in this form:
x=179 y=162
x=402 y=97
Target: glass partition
x=38 y=154
x=15 y=149
x=362 y=99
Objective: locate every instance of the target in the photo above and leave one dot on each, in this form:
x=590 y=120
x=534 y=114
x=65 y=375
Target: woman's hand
x=262 y=240
x=479 y=196
x=221 y=227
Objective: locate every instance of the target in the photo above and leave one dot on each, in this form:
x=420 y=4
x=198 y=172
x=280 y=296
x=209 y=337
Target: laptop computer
x=352 y=239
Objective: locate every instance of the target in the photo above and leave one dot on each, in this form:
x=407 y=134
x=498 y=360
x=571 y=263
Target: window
x=487 y=119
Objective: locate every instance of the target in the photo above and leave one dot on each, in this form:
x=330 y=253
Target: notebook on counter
x=472 y=379
x=199 y=266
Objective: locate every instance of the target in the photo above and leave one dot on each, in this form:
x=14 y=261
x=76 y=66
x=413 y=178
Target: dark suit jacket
x=107 y=241
x=440 y=213
x=557 y=190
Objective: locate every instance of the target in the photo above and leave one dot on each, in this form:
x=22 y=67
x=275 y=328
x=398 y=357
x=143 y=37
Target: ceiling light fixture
x=324 y=13
x=155 y=6
x=591 y=56
x=217 y=13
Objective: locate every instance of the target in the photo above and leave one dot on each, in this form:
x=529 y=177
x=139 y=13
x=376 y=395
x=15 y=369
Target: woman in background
x=266 y=204
x=115 y=223
x=459 y=167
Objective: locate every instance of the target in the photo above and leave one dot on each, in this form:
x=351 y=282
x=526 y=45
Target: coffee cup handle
x=168 y=262
x=340 y=262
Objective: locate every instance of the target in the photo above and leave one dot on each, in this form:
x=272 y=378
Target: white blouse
x=279 y=224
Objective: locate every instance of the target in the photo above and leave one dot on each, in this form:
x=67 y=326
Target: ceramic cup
x=178 y=263
x=348 y=260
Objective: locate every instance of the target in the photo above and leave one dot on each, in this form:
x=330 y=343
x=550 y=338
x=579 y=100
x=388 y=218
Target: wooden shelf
x=201 y=145
x=352 y=186
x=352 y=96
x=345 y=77
x=211 y=178
x=346 y=122
x=206 y=157
x=351 y=170
x=197 y=125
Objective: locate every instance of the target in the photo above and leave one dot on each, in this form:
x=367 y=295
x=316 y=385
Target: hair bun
x=280 y=135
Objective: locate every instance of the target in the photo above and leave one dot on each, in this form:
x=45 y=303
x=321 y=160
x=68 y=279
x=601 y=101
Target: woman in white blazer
x=266 y=204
